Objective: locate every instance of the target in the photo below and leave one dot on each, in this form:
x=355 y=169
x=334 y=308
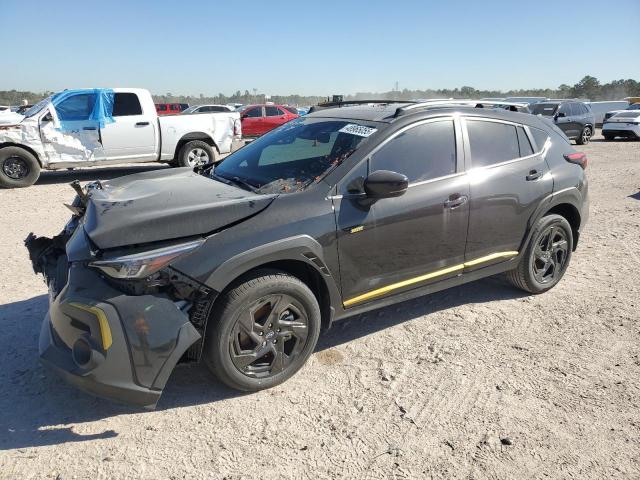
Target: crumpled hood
x=164 y=205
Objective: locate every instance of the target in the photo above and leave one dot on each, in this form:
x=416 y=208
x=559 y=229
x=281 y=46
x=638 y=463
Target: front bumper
x=113 y=345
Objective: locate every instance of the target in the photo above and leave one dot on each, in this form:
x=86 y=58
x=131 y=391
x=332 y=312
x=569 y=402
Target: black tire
x=186 y=157
x=585 y=136
x=18 y=168
x=229 y=348
x=608 y=137
x=527 y=275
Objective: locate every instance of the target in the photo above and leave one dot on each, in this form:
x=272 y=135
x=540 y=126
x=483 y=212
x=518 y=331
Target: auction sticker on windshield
x=359 y=130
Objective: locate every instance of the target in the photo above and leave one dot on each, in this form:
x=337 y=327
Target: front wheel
x=196 y=153
x=585 y=136
x=18 y=168
x=546 y=257
x=262 y=331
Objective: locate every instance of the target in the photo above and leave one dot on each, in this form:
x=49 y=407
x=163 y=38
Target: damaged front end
x=119 y=320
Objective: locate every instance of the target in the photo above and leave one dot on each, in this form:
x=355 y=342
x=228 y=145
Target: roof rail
x=513 y=106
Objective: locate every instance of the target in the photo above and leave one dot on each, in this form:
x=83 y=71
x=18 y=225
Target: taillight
x=577 y=158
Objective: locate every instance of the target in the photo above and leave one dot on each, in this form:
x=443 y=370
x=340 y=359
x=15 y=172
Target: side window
x=565 y=108
x=421 y=153
x=271 y=111
x=492 y=142
x=162 y=108
x=524 y=143
x=254 y=112
x=281 y=112
x=125 y=104
x=540 y=137
x=78 y=107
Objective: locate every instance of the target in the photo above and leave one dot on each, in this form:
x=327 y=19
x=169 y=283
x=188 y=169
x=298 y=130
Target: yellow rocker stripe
x=105 y=330
x=438 y=273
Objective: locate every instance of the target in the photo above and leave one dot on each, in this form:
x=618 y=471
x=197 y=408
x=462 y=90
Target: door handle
x=533 y=175
x=455 y=200
x=142 y=124
x=89 y=128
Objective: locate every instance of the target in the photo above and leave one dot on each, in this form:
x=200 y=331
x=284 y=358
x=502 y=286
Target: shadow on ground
x=38 y=409
x=88 y=174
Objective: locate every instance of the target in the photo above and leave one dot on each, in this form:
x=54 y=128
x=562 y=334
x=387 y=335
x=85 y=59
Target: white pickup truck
x=91 y=127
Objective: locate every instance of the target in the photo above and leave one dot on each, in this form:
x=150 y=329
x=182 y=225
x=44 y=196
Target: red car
x=170 y=108
x=259 y=119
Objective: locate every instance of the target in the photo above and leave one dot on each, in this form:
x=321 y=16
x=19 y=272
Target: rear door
x=398 y=244
x=133 y=134
x=273 y=117
x=508 y=180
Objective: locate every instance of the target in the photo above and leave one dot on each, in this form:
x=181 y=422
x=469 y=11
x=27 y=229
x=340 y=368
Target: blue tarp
x=92 y=107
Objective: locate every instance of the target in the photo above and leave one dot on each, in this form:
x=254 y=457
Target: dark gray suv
x=333 y=214
x=575 y=119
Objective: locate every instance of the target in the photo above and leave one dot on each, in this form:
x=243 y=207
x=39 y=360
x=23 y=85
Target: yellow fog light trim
x=105 y=330
x=438 y=273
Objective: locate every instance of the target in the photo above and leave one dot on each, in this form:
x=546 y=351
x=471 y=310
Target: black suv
x=342 y=211
x=575 y=119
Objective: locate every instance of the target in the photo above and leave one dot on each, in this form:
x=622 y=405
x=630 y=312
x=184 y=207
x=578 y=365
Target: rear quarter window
x=491 y=142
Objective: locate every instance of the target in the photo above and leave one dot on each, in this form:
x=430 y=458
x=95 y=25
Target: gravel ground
x=479 y=381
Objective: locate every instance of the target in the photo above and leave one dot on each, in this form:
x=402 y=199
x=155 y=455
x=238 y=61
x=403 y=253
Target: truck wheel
x=196 y=153
x=262 y=331
x=18 y=168
x=547 y=256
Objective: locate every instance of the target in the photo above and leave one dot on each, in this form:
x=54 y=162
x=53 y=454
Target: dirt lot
x=479 y=381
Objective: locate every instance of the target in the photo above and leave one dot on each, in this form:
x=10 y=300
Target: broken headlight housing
x=141 y=265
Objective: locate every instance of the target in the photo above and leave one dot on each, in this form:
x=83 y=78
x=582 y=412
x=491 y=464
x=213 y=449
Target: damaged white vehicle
x=91 y=127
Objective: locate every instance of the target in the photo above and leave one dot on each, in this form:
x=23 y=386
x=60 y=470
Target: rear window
x=546 y=109
x=292 y=110
x=125 y=104
x=540 y=137
x=629 y=114
x=492 y=142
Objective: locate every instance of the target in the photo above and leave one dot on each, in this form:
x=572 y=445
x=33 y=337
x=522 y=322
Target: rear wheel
x=585 y=136
x=18 y=168
x=196 y=153
x=547 y=256
x=262 y=331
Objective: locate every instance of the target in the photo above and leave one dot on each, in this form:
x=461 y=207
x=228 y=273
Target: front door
x=508 y=180
x=565 y=120
x=398 y=244
x=132 y=135
x=69 y=131
x=252 y=121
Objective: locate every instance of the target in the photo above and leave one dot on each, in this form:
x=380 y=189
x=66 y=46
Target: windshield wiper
x=235 y=180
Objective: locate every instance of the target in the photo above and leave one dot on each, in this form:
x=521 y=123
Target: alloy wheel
x=197 y=156
x=586 y=135
x=550 y=254
x=268 y=335
x=15 y=168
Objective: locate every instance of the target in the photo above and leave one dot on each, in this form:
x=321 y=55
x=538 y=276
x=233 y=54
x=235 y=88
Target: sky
x=314 y=47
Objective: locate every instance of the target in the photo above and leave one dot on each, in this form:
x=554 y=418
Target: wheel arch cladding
x=572 y=214
x=300 y=257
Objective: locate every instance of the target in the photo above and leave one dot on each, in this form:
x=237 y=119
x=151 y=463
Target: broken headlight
x=141 y=265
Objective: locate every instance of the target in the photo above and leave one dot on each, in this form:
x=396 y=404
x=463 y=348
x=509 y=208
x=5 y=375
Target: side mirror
x=385 y=184
x=561 y=115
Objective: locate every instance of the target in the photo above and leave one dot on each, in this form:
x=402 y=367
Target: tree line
x=589 y=87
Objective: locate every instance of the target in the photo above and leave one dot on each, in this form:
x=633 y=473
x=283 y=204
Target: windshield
x=546 y=109
x=635 y=106
x=293 y=156
x=37 y=107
